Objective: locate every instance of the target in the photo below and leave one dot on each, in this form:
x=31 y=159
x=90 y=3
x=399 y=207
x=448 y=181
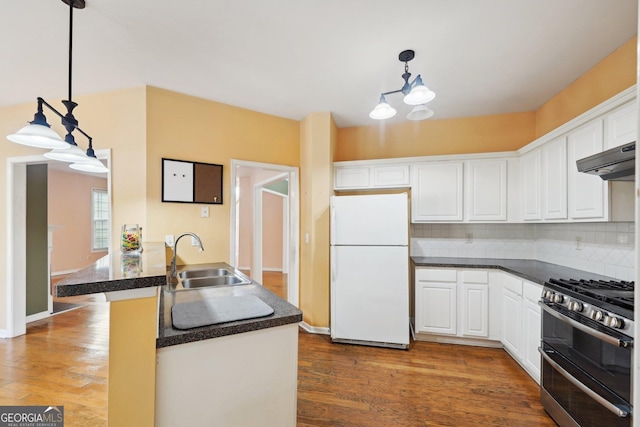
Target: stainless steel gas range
x=587 y=352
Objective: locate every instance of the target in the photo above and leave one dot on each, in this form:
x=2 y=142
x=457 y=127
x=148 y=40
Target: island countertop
x=120 y=272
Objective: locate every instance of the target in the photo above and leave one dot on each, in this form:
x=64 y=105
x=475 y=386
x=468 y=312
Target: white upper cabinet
x=554 y=179
x=353 y=177
x=621 y=125
x=531 y=168
x=437 y=191
x=587 y=193
x=487 y=190
x=371 y=177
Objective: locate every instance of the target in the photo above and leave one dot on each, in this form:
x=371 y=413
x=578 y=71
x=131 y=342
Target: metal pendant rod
x=70 y=44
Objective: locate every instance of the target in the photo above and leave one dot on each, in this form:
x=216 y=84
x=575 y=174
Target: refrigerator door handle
x=332 y=265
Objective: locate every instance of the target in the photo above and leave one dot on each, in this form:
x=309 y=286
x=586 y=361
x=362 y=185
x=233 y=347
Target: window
x=99 y=219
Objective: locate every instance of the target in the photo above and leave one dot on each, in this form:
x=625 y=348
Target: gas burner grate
x=617 y=293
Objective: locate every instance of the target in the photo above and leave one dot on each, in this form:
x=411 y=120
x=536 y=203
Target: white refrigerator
x=370 y=270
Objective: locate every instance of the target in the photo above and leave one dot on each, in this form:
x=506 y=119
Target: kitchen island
x=235 y=373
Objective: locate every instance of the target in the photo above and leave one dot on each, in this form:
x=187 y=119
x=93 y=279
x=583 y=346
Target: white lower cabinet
x=480 y=307
x=436 y=300
x=512 y=315
x=521 y=322
x=531 y=328
x=453 y=302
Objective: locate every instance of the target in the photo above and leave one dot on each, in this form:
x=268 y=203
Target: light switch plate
x=169 y=240
x=204 y=212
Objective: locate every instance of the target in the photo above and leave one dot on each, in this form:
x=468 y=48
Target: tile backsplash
x=605 y=248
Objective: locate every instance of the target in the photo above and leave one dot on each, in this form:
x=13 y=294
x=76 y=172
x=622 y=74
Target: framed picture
x=191 y=182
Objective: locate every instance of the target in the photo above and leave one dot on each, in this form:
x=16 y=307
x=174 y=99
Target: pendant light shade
x=40 y=136
x=420 y=112
x=70 y=154
x=382 y=110
x=91 y=165
x=420 y=94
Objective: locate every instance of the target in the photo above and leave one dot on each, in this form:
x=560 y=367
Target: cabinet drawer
x=532 y=291
x=435 y=275
x=475 y=276
x=513 y=284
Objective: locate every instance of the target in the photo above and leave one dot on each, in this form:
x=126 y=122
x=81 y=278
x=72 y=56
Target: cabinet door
x=511 y=322
x=352 y=177
x=475 y=315
x=530 y=166
x=437 y=308
x=390 y=176
x=487 y=190
x=436 y=193
x=587 y=193
x=554 y=179
x=531 y=334
x=621 y=126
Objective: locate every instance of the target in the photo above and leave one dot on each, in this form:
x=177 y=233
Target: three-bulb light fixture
x=38 y=133
x=415 y=93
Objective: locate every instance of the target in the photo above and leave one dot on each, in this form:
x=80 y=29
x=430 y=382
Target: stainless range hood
x=616 y=164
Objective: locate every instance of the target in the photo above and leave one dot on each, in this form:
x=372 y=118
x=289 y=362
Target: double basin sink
x=206 y=277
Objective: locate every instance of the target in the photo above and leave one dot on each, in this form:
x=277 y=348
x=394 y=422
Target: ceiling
x=290 y=58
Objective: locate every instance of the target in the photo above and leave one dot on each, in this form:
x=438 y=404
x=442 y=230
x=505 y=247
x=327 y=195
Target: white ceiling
x=294 y=57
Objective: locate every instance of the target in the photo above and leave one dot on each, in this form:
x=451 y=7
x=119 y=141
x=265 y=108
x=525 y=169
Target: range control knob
x=547 y=295
x=576 y=306
x=597 y=315
x=557 y=298
x=613 y=322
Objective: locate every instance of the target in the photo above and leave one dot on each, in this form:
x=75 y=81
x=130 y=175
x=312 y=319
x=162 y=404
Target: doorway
x=264 y=225
x=15 y=314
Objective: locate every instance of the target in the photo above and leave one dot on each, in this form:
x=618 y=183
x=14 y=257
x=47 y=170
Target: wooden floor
x=63 y=360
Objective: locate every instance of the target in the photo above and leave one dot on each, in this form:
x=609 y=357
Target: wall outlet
x=623 y=238
x=169 y=240
x=204 y=212
x=579 y=243
x=469 y=237
x=194 y=241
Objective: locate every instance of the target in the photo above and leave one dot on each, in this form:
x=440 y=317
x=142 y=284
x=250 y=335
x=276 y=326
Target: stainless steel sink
x=204 y=272
x=205 y=276
x=203 y=282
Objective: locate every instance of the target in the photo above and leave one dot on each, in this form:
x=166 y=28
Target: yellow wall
x=502 y=132
x=610 y=76
x=189 y=128
x=317 y=141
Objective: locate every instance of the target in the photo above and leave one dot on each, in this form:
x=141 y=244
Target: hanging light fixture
x=39 y=133
x=415 y=93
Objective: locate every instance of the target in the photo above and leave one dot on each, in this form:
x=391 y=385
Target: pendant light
x=415 y=93
x=39 y=134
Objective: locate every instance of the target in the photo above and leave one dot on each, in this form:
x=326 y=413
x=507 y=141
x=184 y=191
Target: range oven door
x=586 y=370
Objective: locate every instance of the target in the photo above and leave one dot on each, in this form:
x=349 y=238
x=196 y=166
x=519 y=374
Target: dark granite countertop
x=118 y=272
x=534 y=271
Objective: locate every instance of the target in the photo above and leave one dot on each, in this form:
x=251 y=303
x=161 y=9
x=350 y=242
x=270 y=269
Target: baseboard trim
x=314 y=329
x=37 y=316
x=477 y=342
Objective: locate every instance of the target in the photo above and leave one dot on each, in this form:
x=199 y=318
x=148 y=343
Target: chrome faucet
x=173 y=278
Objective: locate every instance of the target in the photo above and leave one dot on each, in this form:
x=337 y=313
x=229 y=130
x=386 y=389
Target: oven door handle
x=620 y=412
x=593 y=332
